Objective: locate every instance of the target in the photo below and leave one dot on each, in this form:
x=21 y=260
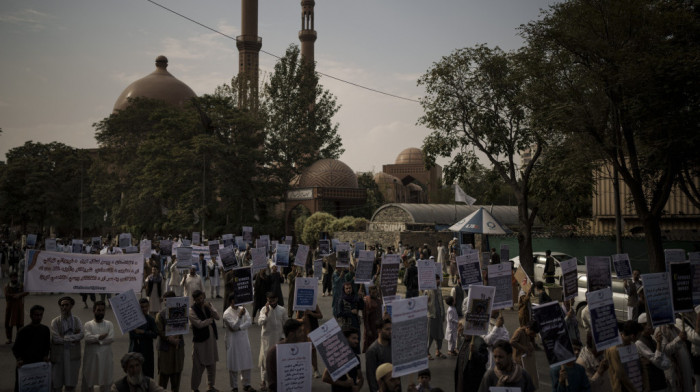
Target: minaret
x=307 y=34
x=249 y=45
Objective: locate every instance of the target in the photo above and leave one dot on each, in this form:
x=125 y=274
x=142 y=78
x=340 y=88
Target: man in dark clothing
x=33 y=342
x=410 y=279
x=495 y=257
x=550 y=267
x=471 y=363
x=141 y=339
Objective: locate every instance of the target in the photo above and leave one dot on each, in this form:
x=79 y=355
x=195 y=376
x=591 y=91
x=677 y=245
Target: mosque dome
x=160 y=84
x=410 y=156
x=330 y=173
x=385 y=178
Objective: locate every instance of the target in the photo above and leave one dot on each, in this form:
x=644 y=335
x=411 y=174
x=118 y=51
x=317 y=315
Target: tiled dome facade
x=330 y=173
x=410 y=156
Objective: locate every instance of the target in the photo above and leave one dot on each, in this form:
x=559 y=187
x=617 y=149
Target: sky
x=64 y=63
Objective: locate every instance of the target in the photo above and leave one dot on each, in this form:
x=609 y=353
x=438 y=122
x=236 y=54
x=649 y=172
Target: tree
x=475 y=100
x=316 y=224
x=623 y=76
x=299 y=127
x=375 y=199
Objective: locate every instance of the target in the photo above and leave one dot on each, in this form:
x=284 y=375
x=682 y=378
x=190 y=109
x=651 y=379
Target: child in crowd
x=451 y=329
x=423 y=381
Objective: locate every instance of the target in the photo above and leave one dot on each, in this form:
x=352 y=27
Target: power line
x=278 y=57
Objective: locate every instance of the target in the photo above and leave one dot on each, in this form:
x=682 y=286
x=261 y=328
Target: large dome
x=160 y=84
x=330 y=173
x=410 y=156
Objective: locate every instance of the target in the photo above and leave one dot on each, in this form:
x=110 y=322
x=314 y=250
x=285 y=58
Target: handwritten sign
x=409 y=332
x=82 y=273
x=389 y=274
x=681 y=287
x=365 y=265
x=479 y=305
x=657 y=291
x=302 y=255
x=603 y=322
x=34 y=377
x=127 y=311
x=294 y=367
x=305 y=293
x=177 y=316
x=629 y=356
x=500 y=277
x=469 y=270
x=523 y=280
x=598 y=274
x=553 y=332
x=334 y=349
x=569 y=278
x=623 y=268
x=426 y=275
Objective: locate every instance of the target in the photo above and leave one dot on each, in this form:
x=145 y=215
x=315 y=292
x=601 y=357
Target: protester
x=229 y=287
x=650 y=347
x=66 y=334
x=571 y=321
x=154 y=290
x=175 y=279
x=424 y=378
x=497 y=332
x=457 y=292
x=272 y=317
x=98 y=362
x=453 y=266
x=134 y=380
x=451 y=330
x=141 y=339
x=631 y=286
x=276 y=284
x=171 y=351
x=675 y=346
x=204 y=337
x=506 y=373
x=436 y=319
x=84 y=297
x=542 y=296
x=239 y=357
x=293 y=333
x=372 y=319
x=352 y=381
x=291 y=281
x=14 y=305
x=471 y=363
x=215 y=271
x=524 y=353
x=596 y=366
x=524 y=308
x=348 y=308
x=385 y=380
x=378 y=353
x=410 y=279
x=192 y=282
x=629 y=332
x=569 y=377
x=495 y=258
x=309 y=319
x=33 y=343
x=261 y=286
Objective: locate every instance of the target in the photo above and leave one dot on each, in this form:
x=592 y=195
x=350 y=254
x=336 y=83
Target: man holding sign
x=239 y=357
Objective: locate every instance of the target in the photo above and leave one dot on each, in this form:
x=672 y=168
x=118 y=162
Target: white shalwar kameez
x=98 y=361
x=65 y=372
x=270 y=333
x=174 y=282
x=239 y=357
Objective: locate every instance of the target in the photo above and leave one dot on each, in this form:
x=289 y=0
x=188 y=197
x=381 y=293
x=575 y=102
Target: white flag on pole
x=460 y=195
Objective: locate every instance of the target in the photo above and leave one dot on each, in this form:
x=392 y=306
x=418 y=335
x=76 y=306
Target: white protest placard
x=184 y=256
x=213 y=247
x=58 y=272
x=145 y=248
x=569 y=278
x=228 y=258
x=365 y=265
x=501 y=277
x=622 y=265
x=465 y=249
x=389 y=274
x=247 y=233
x=479 y=305
x=409 y=335
x=302 y=255
x=343 y=253
x=259 y=259
x=598 y=274
x=264 y=242
x=127 y=311
x=50 y=244
x=196 y=239
x=305 y=293
x=657 y=291
x=282 y=255
x=673 y=256
x=358 y=247
x=228 y=239
x=603 y=321
x=294 y=367
x=177 y=320
x=334 y=349
x=124 y=240
x=426 y=275
x=318 y=269
x=34 y=377
x=695 y=268
x=632 y=364
x=469 y=270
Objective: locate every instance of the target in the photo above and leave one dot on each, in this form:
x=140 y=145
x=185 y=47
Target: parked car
x=619 y=297
x=541 y=258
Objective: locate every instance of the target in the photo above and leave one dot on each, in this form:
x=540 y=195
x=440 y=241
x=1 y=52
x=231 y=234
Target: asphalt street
x=441 y=369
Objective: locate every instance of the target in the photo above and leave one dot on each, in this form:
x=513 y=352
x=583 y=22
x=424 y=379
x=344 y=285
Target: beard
x=134 y=380
x=99 y=317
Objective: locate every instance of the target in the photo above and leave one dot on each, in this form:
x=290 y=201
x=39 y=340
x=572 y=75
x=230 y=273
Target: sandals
x=440 y=355
x=430 y=357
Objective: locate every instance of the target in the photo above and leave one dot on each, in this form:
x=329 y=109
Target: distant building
x=407 y=180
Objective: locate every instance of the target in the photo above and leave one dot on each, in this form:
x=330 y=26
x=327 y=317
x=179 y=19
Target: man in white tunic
x=271 y=319
x=239 y=357
x=66 y=334
x=98 y=362
x=192 y=282
x=215 y=271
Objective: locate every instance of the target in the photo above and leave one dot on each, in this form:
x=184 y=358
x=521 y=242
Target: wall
x=407 y=238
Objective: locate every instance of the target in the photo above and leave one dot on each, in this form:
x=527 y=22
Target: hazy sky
x=64 y=63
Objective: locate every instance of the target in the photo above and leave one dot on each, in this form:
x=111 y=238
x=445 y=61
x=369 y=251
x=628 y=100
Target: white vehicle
x=540 y=259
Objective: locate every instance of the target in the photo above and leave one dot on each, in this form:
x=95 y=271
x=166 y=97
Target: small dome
x=330 y=173
x=410 y=156
x=414 y=187
x=160 y=84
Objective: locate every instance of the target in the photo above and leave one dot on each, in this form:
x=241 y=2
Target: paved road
x=442 y=369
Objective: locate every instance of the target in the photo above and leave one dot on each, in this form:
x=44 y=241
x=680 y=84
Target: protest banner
x=623 y=267
x=632 y=364
x=695 y=269
x=318 y=269
x=34 y=377
x=243 y=285
x=228 y=258
x=124 y=240
x=77 y=246
x=598 y=274
x=50 y=244
x=294 y=367
x=31 y=240
x=177 y=321
x=681 y=287
x=569 y=279
x=302 y=255
x=389 y=274
x=603 y=321
x=365 y=264
x=673 y=256
x=259 y=259
x=409 y=335
x=469 y=270
x=501 y=277
x=343 y=254
x=166 y=247
x=505 y=252
x=324 y=247
x=426 y=275
x=55 y=272
x=184 y=257
x=465 y=249
x=334 y=349
x=479 y=305
x=553 y=332
x=359 y=246
x=305 y=293
x=145 y=248
x=282 y=255
x=247 y=234
x=523 y=280
x=213 y=247
x=127 y=311
x=196 y=239
x=657 y=291
x=227 y=239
